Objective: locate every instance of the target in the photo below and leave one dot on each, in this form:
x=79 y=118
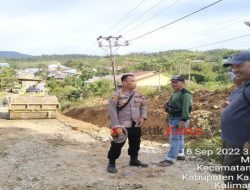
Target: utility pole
x=159 y=86
x=179 y=60
x=112 y=42
x=189 y=72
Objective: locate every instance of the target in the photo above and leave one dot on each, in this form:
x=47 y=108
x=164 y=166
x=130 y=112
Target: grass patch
x=212 y=144
x=148 y=91
x=87 y=102
x=209 y=86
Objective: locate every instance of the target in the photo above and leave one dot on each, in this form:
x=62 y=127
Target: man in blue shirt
x=235 y=124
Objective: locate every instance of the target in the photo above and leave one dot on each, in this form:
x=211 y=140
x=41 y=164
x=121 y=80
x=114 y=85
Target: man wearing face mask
x=128 y=108
x=235 y=124
x=178 y=109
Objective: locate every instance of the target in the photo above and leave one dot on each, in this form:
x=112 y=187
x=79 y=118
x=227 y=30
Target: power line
x=120 y=20
x=224 y=24
x=218 y=42
x=90 y=47
x=218 y=26
x=145 y=21
x=155 y=5
x=125 y=16
x=179 y=19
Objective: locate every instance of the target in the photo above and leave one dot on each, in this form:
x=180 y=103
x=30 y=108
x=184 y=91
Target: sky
x=38 y=27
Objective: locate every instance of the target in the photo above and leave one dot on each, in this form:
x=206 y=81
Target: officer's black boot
x=136 y=162
x=111 y=167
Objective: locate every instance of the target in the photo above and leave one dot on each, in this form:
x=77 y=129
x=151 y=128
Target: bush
x=168 y=88
x=7 y=79
x=75 y=94
x=148 y=91
x=219 y=86
x=208 y=144
x=60 y=88
x=102 y=88
x=199 y=78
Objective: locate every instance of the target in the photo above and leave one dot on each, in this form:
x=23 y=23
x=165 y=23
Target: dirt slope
x=207 y=107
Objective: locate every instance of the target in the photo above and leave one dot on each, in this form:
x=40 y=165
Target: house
x=58 y=71
x=69 y=71
x=55 y=66
x=62 y=74
x=29 y=82
x=56 y=75
x=4 y=65
x=144 y=78
x=151 y=78
x=29 y=85
x=23 y=74
x=107 y=77
x=29 y=72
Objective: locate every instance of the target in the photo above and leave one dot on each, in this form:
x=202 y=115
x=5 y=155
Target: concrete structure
x=34 y=107
x=28 y=82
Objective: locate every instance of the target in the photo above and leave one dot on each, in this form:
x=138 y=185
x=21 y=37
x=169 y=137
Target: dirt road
x=52 y=154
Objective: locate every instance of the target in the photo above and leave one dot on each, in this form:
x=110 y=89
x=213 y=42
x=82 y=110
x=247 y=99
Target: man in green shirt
x=178 y=109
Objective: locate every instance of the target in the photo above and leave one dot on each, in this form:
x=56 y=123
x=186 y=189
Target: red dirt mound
x=207 y=107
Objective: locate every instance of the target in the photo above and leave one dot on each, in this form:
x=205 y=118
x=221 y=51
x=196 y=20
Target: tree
x=102 y=72
x=101 y=88
x=42 y=73
x=7 y=78
x=61 y=88
x=86 y=74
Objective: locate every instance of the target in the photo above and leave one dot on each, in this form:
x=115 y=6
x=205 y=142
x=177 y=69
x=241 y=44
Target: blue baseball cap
x=238 y=58
x=177 y=78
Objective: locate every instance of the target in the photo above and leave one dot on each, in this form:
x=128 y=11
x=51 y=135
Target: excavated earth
x=207 y=107
x=70 y=154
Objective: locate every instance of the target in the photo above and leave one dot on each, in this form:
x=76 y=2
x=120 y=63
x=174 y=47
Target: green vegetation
x=7 y=78
x=170 y=61
x=212 y=144
x=148 y=91
x=72 y=90
x=206 y=71
x=203 y=68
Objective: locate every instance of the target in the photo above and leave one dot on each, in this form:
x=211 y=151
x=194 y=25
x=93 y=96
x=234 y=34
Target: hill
x=13 y=55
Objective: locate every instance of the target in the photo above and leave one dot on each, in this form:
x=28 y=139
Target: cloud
x=62 y=26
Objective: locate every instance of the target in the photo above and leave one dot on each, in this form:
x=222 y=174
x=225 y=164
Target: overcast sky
x=71 y=26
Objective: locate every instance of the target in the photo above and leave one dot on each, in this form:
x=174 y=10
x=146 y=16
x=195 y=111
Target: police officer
x=178 y=109
x=127 y=108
